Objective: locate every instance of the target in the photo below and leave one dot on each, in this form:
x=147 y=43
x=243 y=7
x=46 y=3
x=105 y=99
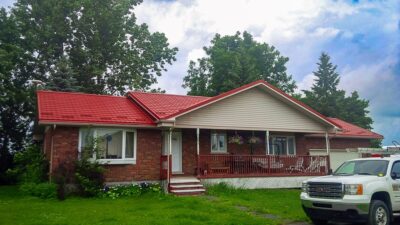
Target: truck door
x=396 y=185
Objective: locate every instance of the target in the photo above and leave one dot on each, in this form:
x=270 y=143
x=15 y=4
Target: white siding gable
x=252 y=109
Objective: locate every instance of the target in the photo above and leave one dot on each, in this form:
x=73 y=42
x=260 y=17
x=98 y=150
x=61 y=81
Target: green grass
x=17 y=208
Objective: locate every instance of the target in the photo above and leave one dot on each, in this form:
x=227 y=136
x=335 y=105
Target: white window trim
x=271 y=150
x=223 y=151
x=123 y=160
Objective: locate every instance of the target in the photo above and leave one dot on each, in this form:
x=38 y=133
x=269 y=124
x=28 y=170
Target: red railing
x=220 y=166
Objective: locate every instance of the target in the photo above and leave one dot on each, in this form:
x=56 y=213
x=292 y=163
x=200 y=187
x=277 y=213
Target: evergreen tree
x=62 y=77
x=326 y=98
x=233 y=61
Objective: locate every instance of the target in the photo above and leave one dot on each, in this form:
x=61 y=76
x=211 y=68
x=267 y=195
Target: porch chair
x=314 y=166
x=298 y=167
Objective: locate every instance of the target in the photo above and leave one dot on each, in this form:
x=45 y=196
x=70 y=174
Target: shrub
x=89 y=173
x=118 y=191
x=30 y=166
x=89 y=176
x=41 y=190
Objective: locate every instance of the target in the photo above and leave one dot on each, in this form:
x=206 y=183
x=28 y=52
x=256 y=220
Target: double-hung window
x=113 y=145
x=282 y=145
x=218 y=142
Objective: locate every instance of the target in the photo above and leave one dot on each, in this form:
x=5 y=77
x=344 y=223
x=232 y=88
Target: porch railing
x=222 y=166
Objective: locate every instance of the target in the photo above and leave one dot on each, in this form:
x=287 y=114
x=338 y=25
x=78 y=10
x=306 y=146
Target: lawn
x=220 y=206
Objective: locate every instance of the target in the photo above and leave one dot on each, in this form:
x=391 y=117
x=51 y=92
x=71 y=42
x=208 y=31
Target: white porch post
x=267 y=140
x=328 y=150
x=198 y=150
x=169 y=155
x=198 y=141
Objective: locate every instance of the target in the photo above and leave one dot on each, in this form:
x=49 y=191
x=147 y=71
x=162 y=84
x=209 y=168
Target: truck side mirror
x=395 y=175
x=330 y=172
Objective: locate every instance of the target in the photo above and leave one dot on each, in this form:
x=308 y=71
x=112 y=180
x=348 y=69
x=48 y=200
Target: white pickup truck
x=360 y=190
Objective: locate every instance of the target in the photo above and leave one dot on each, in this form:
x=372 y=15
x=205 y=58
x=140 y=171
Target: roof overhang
x=94 y=124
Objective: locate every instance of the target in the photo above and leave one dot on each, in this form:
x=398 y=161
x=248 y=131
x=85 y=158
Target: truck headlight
x=353 y=189
x=304 y=187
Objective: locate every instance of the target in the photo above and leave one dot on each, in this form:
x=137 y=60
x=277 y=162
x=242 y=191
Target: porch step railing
x=221 y=166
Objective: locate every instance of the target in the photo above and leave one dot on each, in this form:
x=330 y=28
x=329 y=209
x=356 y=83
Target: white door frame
x=177 y=153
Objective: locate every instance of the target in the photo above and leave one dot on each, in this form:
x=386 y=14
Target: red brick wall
x=337 y=143
x=147 y=167
x=301 y=144
x=65 y=149
x=47 y=143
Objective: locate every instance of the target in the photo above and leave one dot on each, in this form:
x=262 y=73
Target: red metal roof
x=67 y=107
x=164 y=105
x=351 y=130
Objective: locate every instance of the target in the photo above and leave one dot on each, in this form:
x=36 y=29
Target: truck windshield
x=363 y=167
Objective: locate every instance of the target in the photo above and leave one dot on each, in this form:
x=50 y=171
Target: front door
x=176 y=151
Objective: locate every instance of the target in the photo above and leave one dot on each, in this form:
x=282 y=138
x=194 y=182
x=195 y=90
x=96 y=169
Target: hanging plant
x=236 y=139
x=254 y=140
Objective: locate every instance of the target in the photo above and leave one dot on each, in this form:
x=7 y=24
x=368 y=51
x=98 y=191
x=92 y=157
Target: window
x=363 y=167
x=218 y=142
x=282 y=145
x=396 y=168
x=116 y=146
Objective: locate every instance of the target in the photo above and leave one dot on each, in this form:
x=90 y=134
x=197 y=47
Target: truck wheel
x=319 y=222
x=379 y=213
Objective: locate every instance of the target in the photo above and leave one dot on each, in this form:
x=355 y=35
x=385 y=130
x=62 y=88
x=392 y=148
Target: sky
x=362 y=38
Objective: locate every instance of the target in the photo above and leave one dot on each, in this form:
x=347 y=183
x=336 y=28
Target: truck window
x=363 y=167
x=396 y=168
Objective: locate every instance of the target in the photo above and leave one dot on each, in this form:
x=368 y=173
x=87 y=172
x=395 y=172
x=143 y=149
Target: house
x=253 y=136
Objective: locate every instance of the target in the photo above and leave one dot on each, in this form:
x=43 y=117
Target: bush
x=31 y=166
x=89 y=173
x=118 y=191
x=90 y=178
x=41 y=190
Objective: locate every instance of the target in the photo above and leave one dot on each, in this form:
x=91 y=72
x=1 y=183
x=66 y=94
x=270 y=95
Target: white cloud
x=306 y=83
x=361 y=38
x=192 y=26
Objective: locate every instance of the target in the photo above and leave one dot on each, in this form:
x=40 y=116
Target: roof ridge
x=179 y=95
x=80 y=93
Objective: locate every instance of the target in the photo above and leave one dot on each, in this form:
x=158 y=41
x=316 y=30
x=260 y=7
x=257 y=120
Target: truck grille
x=325 y=190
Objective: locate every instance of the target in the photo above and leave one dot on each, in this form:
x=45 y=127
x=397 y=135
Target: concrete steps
x=186 y=186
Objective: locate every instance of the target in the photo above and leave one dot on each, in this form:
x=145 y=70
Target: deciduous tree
x=232 y=61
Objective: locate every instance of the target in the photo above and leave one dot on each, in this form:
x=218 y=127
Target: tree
x=96 y=45
x=62 y=77
x=232 y=61
x=107 y=50
x=326 y=98
x=15 y=95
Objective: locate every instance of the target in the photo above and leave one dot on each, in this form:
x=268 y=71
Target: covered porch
x=209 y=153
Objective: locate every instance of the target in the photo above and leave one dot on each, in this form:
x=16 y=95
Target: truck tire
x=379 y=213
x=319 y=222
